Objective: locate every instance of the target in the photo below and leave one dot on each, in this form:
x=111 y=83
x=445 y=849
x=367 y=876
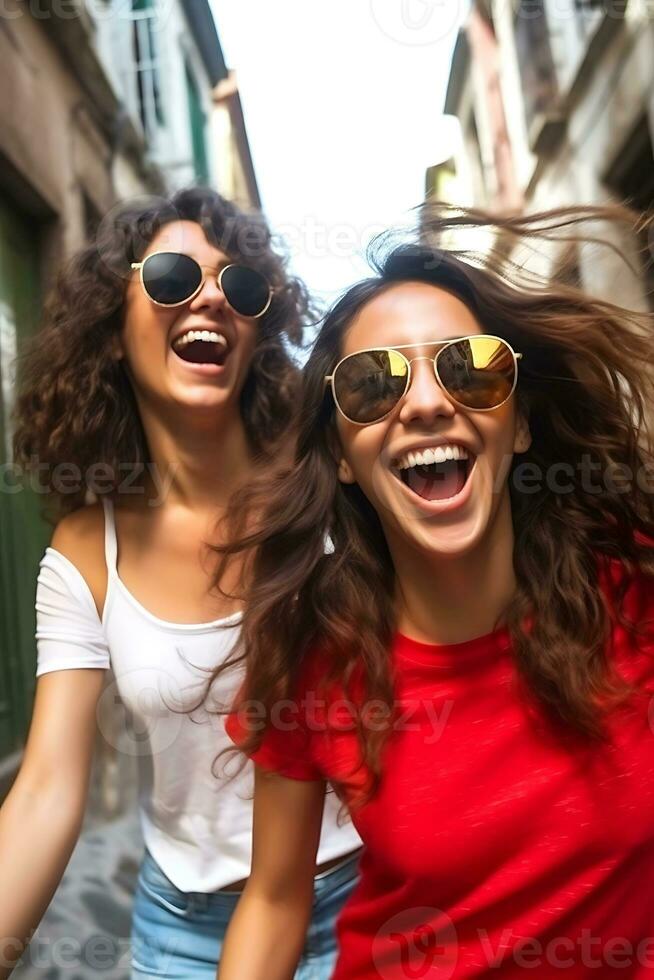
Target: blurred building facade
x=555 y=101
x=237 y=178
x=164 y=59
x=100 y=100
x=60 y=149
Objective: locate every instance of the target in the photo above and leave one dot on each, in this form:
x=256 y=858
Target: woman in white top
x=162 y=380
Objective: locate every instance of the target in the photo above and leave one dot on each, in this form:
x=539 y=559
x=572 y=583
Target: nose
x=425 y=400
x=210 y=298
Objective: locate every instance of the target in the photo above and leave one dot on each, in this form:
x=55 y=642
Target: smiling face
x=201 y=372
x=449 y=505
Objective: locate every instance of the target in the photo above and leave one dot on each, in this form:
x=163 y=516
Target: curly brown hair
x=586 y=384
x=75 y=402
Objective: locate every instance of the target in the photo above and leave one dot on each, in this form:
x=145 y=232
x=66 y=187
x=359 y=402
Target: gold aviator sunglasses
x=479 y=372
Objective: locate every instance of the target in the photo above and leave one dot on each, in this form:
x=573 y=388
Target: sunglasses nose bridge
x=209 y=290
x=414 y=400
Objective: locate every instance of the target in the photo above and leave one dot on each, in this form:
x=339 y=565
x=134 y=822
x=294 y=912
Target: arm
x=41 y=817
x=278 y=897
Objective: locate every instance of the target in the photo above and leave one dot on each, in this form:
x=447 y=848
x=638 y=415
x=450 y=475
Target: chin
x=455 y=540
x=204 y=400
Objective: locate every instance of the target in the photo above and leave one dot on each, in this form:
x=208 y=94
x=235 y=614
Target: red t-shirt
x=496 y=846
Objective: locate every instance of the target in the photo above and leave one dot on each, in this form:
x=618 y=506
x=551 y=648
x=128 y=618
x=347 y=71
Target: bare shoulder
x=79 y=531
x=79 y=537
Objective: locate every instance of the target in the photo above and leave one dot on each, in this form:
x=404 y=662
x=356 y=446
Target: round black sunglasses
x=173 y=278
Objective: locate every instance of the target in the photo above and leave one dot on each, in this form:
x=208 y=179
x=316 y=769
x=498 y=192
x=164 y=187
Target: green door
x=23 y=535
x=197 y=120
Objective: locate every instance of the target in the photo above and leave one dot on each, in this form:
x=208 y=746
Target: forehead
x=187 y=237
x=407 y=313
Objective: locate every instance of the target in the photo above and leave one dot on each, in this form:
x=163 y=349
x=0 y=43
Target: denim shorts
x=179 y=935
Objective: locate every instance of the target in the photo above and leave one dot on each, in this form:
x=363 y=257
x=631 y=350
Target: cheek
x=144 y=332
x=138 y=313
x=247 y=338
x=248 y=343
x=498 y=436
x=362 y=449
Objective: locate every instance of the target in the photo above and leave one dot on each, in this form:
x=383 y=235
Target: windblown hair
x=586 y=386
x=75 y=402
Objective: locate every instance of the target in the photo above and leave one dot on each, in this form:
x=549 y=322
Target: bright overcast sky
x=342 y=102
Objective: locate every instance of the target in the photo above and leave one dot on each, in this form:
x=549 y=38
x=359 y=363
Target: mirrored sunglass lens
x=246 y=290
x=170 y=277
x=478 y=372
x=368 y=385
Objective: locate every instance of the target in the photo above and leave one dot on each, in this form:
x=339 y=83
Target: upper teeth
x=425 y=457
x=208 y=335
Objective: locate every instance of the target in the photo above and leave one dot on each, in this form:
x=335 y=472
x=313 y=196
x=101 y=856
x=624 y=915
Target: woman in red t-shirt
x=468 y=661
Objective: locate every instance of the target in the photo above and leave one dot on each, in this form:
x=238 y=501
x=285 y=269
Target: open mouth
x=201 y=347
x=436 y=474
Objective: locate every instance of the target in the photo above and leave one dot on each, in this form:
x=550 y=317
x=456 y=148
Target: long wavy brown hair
x=586 y=385
x=75 y=402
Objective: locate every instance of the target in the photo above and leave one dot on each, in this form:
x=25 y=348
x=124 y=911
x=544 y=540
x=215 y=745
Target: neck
x=196 y=461
x=453 y=599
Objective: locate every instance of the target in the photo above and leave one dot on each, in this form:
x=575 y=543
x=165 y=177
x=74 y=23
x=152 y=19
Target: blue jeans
x=179 y=935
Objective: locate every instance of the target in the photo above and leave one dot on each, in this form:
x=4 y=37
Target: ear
x=345 y=474
x=522 y=440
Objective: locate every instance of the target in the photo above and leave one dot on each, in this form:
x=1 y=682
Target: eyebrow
x=426 y=343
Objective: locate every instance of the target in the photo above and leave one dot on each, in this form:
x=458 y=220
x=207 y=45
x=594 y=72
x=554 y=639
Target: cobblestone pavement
x=85 y=932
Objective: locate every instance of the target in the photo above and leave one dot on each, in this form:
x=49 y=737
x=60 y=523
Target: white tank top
x=196 y=824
